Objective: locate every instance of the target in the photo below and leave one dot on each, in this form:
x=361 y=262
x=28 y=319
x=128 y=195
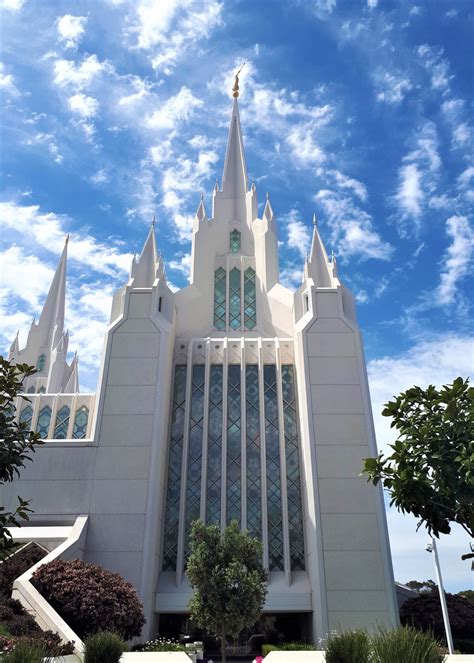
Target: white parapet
x=71 y=548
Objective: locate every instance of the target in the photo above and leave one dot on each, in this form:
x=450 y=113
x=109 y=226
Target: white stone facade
x=231 y=398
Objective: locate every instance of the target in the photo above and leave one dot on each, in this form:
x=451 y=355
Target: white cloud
x=13 y=5
x=7 y=83
x=344 y=182
x=437 y=66
x=372 y=4
x=291 y=275
x=68 y=73
x=19 y=269
x=71 y=29
x=181 y=264
x=465 y=177
x=462 y=135
x=100 y=177
x=392 y=89
x=325 y=5
x=458 y=258
x=176 y=110
x=83 y=105
x=49 y=140
x=298 y=233
x=304 y=149
x=410 y=194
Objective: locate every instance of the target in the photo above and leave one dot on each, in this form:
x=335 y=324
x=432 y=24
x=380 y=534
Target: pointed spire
x=201 y=210
x=72 y=381
x=315 y=221
x=14 y=348
x=268 y=211
x=318 y=267
x=144 y=269
x=51 y=322
x=234 y=179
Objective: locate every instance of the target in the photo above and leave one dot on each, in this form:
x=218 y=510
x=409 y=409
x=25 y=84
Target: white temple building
x=233 y=398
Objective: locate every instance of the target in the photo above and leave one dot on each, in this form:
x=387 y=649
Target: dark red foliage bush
x=90 y=598
x=13 y=567
x=424 y=612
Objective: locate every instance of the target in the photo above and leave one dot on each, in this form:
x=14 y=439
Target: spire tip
x=235 y=89
x=66 y=241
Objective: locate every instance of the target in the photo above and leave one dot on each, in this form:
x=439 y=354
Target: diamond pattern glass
x=274 y=510
x=44 y=418
x=235 y=241
x=293 y=482
x=220 y=296
x=80 y=423
x=234 y=298
x=214 y=446
x=254 y=483
x=62 y=423
x=26 y=416
x=170 y=544
x=193 y=485
x=41 y=363
x=250 y=303
x=234 y=457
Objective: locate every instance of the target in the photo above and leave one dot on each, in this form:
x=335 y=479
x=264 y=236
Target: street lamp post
x=431 y=547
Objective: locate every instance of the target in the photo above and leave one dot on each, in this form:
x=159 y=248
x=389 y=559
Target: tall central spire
x=234 y=180
x=51 y=322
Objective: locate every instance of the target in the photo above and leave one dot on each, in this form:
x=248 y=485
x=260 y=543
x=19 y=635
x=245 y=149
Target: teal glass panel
x=214 y=446
x=293 y=480
x=250 y=299
x=31 y=390
x=62 y=423
x=173 y=490
x=42 y=390
x=41 y=363
x=194 y=471
x=272 y=452
x=80 y=423
x=26 y=416
x=234 y=456
x=220 y=297
x=44 y=418
x=235 y=241
x=254 y=482
x=234 y=298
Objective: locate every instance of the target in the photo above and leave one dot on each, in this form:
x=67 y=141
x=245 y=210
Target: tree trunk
x=223 y=646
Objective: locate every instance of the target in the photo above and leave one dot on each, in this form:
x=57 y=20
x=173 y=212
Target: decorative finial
x=154 y=220
x=333 y=257
x=66 y=241
x=268 y=195
x=315 y=222
x=202 y=196
x=235 y=89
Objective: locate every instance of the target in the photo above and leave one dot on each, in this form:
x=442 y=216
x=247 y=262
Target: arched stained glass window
x=31 y=390
x=41 y=362
x=80 y=423
x=234 y=298
x=293 y=481
x=26 y=416
x=220 y=295
x=62 y=423
x=42 y=390
x=44 y=418
x=170 y=538
x=254 y=486
x=193 y=485
x=235 y=241
x=272 y=442
x=233 y=443
x=250 y=304
x=214 y=446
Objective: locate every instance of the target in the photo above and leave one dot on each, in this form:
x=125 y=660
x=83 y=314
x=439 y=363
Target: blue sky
x=359 y=111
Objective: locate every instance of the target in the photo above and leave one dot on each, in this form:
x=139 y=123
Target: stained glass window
x=272 y=443
x=214 y=446
x=44 y=418
x=31 y=390
x=80 y=423
x=26 y=416
x=254 y=485
x=220 y=295
x=193 y=485
x=233 y=443
x=234 y=298
x=235 y=241
x=41 y=363
x=62 y=423
x=170 y=545
x=250 y=304
x=42 y=390
x=293 y=481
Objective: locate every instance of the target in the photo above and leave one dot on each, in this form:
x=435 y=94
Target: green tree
x=17 y=443
x=423 y=586
x=430 y=472
x=229 y=582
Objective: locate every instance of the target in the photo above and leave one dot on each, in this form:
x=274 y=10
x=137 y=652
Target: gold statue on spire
x=235 y=89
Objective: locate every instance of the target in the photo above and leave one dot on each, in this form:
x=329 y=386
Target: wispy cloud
x=458 y=259
x=71 y=29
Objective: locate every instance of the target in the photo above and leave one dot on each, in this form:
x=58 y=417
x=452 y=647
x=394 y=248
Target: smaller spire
x=318 y=266
x=315 y=221
x=268 y=211
x=201 y=210
x=66 y=241
x=235 y=89
x=15 y=347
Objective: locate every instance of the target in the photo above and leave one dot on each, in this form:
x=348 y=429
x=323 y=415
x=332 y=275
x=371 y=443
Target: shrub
x=13 y=567
x=266 y=649
x=405 y=645
x=424 y=613
x=103 y=647
x=160 y=644
x=90 y=598
x=25 y=652
x=464 y=645
x=348 y=647
x=298 y=646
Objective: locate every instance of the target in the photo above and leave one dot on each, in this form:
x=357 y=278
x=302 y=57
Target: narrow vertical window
x=306 y=303
x=235 y=241
x=26 y=416
x=80 y=423
x=272 y=444
x=234 y=457
x=62 y=423
x=234 y=298
x=41 y=362
x=250 y=303
x=254 y=485
x=214 y=446
x=293 y=479
x=170 y=539
x=159 y=304
x=44 y=418
x=220 y=294
x=193 y=484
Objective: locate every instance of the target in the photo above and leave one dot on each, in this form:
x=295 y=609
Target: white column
x=205 y=429
x=263 y=455
x=283 y=491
